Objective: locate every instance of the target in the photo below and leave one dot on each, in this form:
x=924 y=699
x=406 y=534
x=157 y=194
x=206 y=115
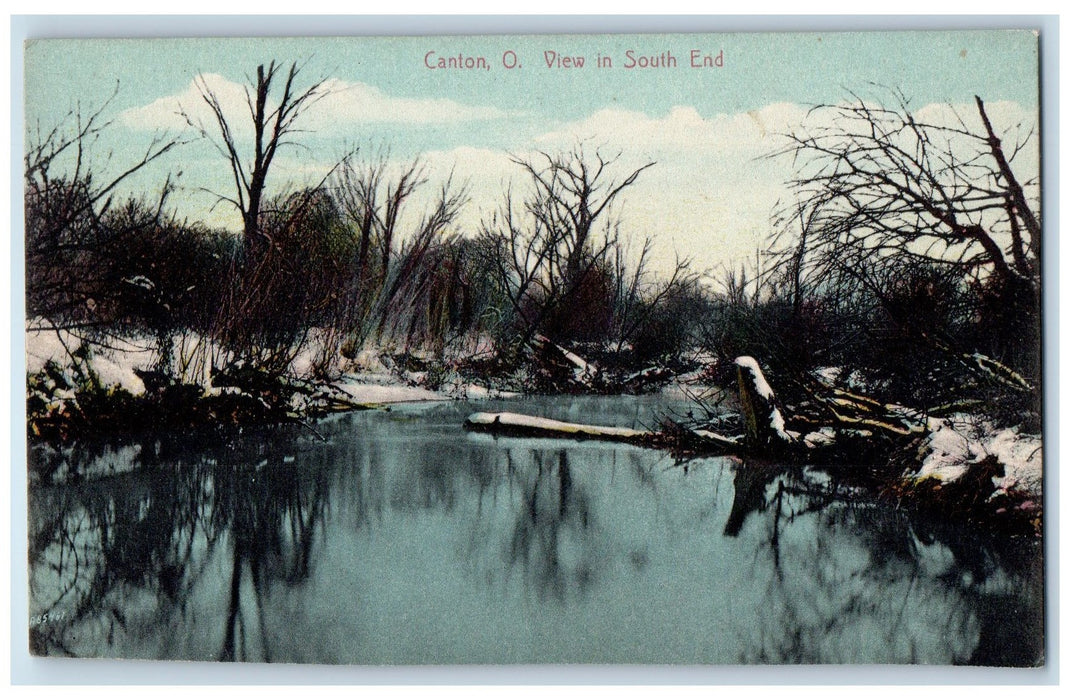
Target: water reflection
x=853 y=582
x=400 y=539
x=120 y=556
x=553 y=514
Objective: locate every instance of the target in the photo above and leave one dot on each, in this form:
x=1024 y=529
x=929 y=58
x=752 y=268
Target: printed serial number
x=41 y=619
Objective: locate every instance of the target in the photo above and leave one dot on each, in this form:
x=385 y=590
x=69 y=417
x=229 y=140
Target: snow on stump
x=764 y=430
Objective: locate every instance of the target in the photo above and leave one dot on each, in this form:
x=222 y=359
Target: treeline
x=907 y=259
x=370 y=257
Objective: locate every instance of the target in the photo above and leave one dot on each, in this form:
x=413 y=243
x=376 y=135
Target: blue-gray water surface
x=395 y=537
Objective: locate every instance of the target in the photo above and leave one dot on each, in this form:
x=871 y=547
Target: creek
x=395 y=537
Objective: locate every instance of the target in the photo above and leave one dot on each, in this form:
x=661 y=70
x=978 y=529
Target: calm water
x=399 y=538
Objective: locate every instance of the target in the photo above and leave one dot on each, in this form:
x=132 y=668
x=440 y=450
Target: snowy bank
x=956 y=442
x=384 y=388
x=113 y=363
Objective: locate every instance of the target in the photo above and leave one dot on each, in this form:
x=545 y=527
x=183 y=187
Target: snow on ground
x=114 y=365
x=115 y=360
x=473 y=391
x=310 y=354
x=961 y=439
x=833 y=376
x=820 y=438
x=383 y=388
x=371 y=361
x=460 y=390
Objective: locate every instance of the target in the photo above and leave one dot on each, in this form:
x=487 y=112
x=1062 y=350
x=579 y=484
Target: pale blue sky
x=707 y=197
x=760 y=68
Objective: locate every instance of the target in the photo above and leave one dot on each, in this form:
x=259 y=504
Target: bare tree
x=882 y=192
x=643 y=301
x=877 y=182
x=67 y=203
x=273 y=126
x=373 y=203
x=405 y=303
x=545 y=246
x=399 y=270
x=571 y=191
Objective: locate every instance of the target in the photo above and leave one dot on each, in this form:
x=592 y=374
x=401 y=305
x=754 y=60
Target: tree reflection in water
x=400 y=539
x=552 y=510
x=98 y=553
x=849 y=581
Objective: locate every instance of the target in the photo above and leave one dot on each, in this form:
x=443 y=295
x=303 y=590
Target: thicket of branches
x=561 y=269
x=369 y=256
x=910 y=251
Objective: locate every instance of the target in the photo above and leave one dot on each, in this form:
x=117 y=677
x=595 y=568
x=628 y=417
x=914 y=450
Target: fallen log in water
x=521 y=425
x=518 y=424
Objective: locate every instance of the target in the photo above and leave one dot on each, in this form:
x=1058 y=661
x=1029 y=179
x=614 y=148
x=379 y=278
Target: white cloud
x=1003 y=115
x=484 y=172
x=1013 y=124
x=709 y=197
x=342 y=104
x=683 y=128
x=714 y=189
x=167 y=112
x=711 y=194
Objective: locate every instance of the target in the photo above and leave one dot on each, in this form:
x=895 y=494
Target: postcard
x=698 y=349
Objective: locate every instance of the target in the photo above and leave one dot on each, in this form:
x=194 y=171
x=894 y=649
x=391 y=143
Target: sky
x=709 y=129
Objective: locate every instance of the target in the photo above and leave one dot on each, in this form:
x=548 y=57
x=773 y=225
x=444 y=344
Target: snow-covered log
x=519 y=424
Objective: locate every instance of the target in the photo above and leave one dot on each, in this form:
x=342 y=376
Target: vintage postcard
x=690 y=349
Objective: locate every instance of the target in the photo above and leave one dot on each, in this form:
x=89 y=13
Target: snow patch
x=960 y=440
x=820 y=438
x=776 y=422
x=757 y=377
x=828 y=375
x=113 y=364
x=383 y=389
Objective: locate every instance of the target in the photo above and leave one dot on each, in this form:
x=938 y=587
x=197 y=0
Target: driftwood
x=561 y=366
x=518 y=424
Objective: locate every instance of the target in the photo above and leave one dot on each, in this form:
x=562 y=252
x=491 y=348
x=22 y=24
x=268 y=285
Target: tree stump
x=764 y=430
